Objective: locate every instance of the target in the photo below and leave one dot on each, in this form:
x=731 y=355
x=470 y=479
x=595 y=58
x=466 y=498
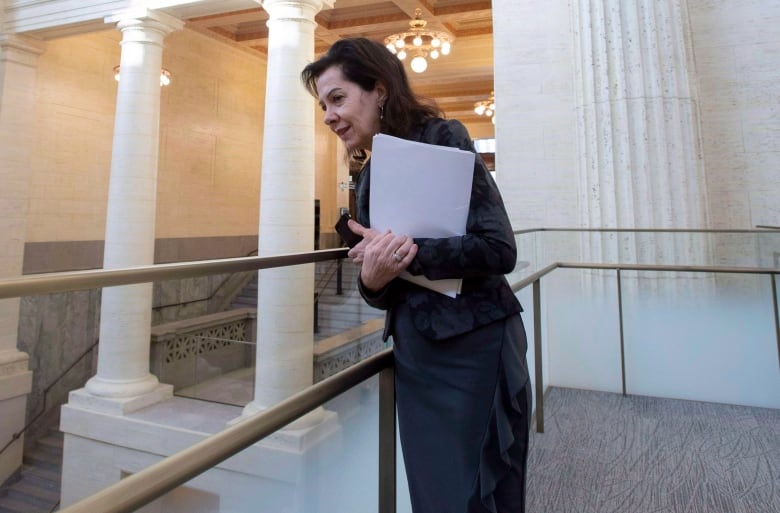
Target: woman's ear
x=381 y=92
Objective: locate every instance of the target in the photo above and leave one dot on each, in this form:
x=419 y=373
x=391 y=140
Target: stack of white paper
x=420 y=190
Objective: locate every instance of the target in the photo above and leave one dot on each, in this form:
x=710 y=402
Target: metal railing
x=536 y=277
x=83 y=280
x=153 y=482
x=766 y=229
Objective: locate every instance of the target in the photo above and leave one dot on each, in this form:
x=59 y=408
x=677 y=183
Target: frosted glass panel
x=702 y=337
x=582 y=329
x=336 y=470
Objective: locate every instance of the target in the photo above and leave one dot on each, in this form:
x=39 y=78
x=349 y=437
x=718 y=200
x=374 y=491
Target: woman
x=462 y=389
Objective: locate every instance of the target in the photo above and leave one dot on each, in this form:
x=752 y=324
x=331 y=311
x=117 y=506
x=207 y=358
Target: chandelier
x=487 y=107
x=419 y=43
x=165 y=76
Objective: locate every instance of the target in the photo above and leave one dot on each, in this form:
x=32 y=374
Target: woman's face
x=350 y=112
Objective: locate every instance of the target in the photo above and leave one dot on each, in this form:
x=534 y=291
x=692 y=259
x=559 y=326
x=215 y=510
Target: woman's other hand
x=383 y=256
x=357 y=251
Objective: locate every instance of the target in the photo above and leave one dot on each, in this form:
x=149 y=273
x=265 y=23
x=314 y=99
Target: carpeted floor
x=605 y=453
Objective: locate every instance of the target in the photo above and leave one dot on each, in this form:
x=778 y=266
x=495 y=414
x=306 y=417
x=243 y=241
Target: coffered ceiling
x=455 y=81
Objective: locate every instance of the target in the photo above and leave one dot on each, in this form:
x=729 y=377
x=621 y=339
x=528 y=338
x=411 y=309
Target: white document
x=420 y=190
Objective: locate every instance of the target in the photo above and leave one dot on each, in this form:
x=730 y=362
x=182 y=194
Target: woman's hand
x=383 y=256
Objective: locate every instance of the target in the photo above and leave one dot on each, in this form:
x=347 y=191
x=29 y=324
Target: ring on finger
x=397 y=257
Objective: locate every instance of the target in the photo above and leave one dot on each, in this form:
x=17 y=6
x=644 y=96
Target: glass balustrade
x=704 y=336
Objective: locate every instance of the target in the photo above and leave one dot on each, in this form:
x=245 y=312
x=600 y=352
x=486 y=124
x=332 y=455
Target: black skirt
x=463 y=414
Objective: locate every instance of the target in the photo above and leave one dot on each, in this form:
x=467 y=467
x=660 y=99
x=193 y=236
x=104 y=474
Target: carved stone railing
x=189 y=351
x=336 y=353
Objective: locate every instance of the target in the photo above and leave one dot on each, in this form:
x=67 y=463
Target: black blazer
x=481 y=257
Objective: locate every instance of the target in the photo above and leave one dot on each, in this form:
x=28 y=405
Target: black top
x=481 y=257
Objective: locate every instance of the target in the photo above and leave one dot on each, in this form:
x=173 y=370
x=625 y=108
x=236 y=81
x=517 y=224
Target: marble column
x=123 y=381
x=285 y=334
x=18 y=67
x=639 y=149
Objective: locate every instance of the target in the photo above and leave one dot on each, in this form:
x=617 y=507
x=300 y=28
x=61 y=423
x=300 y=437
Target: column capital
x=294 y=8
x=145 y=18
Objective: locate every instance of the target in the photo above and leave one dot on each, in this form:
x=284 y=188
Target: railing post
x=777 y=316
x=622 y=346
x=538 y=357
x=339 y=277
x=316 y=312
x=387 y=463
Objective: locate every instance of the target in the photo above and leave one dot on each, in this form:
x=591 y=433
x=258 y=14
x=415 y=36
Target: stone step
x=43 y=473
x=11 y=506
x=48 y=459
x=241 y=302
x=336 y=312
x=38 y=487
x=52 y=442
x=43 y=489
x=25 y=503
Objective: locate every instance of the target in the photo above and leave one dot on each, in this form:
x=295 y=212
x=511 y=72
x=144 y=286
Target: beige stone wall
x=211 y=139
x=74 y=114
x=736 y=46
x=536 y=135
x=329 y=171
x=210 y=142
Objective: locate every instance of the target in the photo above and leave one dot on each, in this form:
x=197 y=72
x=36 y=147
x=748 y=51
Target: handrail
x=649 y=230
x=519 y=285
x=45 y=394
x=154 y=481
x=48 y=283
x=672 y=268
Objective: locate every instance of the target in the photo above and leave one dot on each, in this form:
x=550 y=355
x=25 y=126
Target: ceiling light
x=486 y=107
x=419 y=43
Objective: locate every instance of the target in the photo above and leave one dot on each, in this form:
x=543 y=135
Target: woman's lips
x=342 y=131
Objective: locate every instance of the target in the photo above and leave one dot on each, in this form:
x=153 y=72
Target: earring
x=381 y=112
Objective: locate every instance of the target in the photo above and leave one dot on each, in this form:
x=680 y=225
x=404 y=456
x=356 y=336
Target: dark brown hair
x=368 y=63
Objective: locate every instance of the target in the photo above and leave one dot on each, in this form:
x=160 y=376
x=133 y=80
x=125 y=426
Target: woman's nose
x=330 y=117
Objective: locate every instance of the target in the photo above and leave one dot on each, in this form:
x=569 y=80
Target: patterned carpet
x=605 y=453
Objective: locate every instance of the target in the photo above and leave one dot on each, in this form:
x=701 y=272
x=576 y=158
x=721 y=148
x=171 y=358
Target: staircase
x=37 y=490
x=247 y=298
x=335 y=313
x=340 y=312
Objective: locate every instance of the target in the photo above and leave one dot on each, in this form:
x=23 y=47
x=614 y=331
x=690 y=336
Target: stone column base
x=81 y=398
